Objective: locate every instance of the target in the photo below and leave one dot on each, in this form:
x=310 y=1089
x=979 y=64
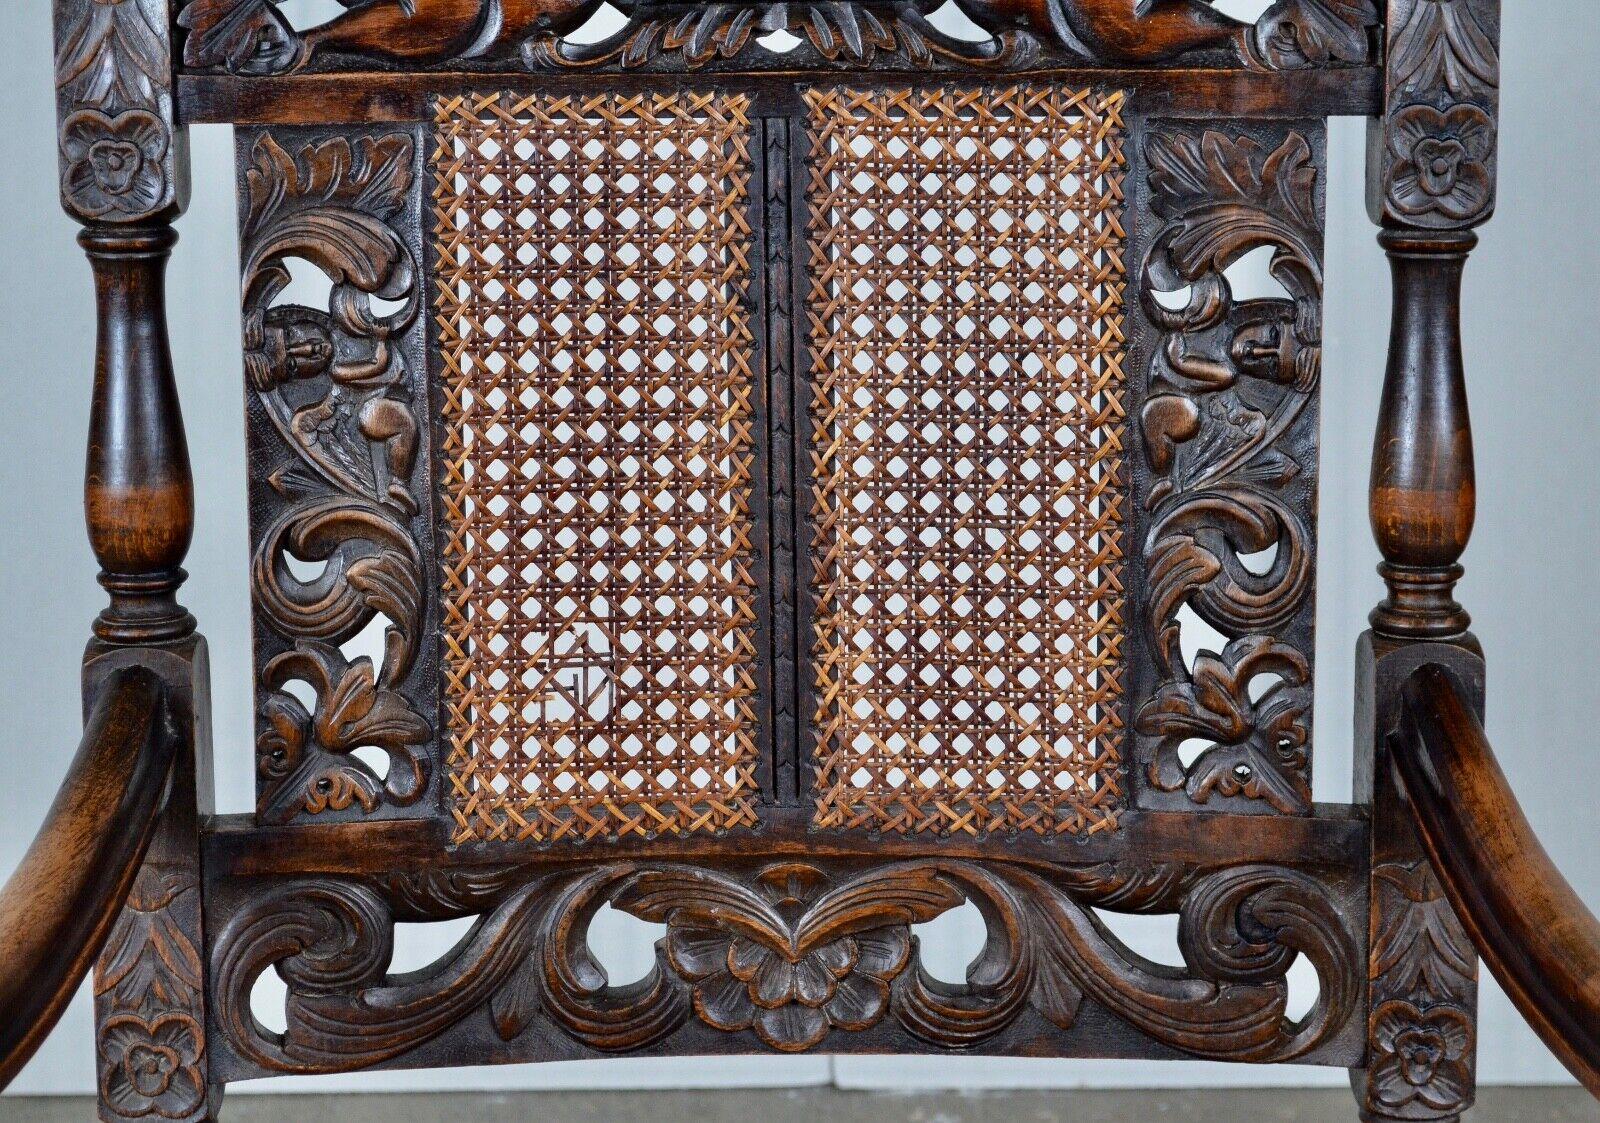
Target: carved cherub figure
x=251 y=37
x=294 y=344
x=1115 y=30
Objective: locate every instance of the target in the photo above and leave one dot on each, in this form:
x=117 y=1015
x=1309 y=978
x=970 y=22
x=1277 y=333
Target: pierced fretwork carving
x=1228 y=425
x=793 y=954
x=335 y=426
x=254 y=37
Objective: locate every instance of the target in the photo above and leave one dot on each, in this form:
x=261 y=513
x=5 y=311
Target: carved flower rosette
x=1228 y=434
x=332 y=394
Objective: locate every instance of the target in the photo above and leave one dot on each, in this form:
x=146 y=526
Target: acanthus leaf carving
x=252 y=37
x=1294 y=34
x=339 y=390
x=306 y=758
x=790 y=954
x=1229 y=388
x=1256 y=742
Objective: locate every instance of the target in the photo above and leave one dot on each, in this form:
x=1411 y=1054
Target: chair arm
x=1536 y=935
x=58 y=908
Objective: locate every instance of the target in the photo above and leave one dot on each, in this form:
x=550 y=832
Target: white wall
x=1533 y=329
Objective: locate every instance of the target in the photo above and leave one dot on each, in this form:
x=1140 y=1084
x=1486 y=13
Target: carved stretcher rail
x=783 y=956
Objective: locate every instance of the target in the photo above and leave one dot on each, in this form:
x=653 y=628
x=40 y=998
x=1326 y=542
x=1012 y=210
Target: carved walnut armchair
x=791 y=453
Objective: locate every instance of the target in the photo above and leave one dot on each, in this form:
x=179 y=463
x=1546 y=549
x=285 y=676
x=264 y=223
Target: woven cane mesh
x=966 y=303
x=600 y=615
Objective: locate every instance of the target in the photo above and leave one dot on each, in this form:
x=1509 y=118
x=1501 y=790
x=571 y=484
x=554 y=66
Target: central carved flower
x=790 y=982
x=149 y=1069
x=1440 y=161
x=1439 y=164
x=113 y=164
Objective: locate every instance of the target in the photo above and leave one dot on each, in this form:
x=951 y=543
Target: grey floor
x=1495 y=1105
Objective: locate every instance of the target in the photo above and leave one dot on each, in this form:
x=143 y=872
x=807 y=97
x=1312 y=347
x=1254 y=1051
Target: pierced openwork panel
x=599 y=606
x=968 y=492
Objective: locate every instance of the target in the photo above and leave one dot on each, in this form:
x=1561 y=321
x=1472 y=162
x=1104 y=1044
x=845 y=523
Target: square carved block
x=968 y=493
x=600 y=613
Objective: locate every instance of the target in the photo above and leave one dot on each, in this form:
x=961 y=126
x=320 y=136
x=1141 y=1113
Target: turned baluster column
x=124 y=175
x=1423 y=496
x=138 y=493
x=1431 y=183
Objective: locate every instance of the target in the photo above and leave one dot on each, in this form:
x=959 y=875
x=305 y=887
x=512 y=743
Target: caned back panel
x=600 y=608
x=962 y=568
x=967 y=284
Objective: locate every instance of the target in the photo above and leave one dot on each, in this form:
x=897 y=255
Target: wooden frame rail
x=60 y=905
x=1535 y=933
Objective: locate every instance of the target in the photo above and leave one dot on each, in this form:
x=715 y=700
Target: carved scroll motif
x=1231 y=384
x=121 y=157
x=254 y=37
x=1436 y=159
x=336 y=386
x=790 y=954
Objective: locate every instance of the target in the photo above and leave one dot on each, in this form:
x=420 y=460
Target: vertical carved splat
x=333 y=416
x=1228 y=429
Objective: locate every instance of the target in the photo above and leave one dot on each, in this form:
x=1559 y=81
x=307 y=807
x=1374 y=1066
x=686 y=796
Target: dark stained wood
x=1430 y=180
x=138 y=492
x=149 y=985
x=404 y=97
x=1226 y=393
x=781 y=936
x=253 y=37
x=124 y=160
x=1423 y=494
x=1335 y=837
x=1536 y=934
x=58 y=907
x=1433 y=156
x=1422 y=971
x=786 y=957
x=338 y=434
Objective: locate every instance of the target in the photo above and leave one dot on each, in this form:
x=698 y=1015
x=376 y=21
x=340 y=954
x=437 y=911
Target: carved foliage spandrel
x=337 y=523
x=1227 y=431
x=149 y=1001
x=253 y=37
x=1435 y=159
x=789 y=954
x=1421 y=1030
x=120 y=153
